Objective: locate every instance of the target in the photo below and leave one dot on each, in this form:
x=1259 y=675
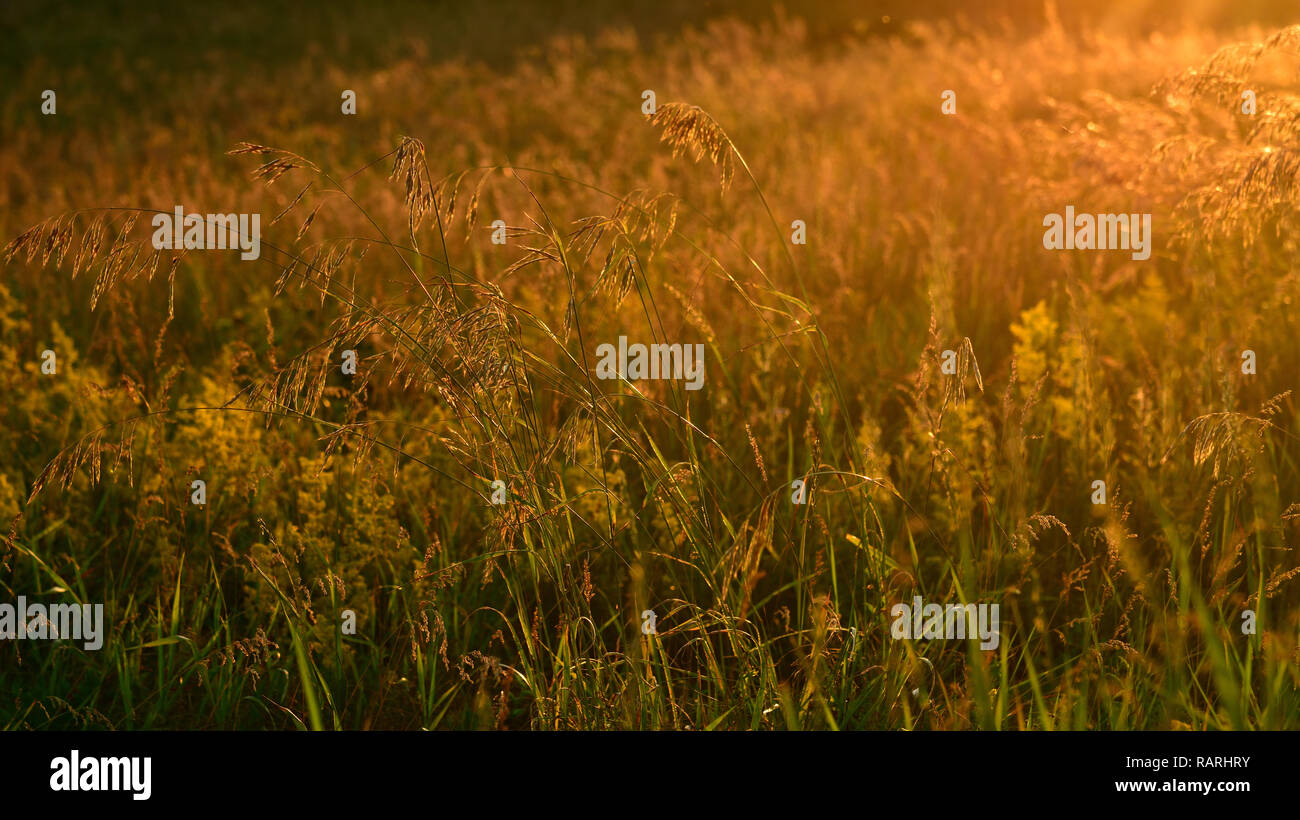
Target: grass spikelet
x=690 y=129
x=410 y=168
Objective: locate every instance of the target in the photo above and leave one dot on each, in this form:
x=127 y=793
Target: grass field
x=335 y=498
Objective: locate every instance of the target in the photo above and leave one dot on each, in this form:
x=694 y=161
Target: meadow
x=373 y=493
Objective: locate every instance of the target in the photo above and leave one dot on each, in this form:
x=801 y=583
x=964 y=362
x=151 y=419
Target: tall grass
x=372 y=493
